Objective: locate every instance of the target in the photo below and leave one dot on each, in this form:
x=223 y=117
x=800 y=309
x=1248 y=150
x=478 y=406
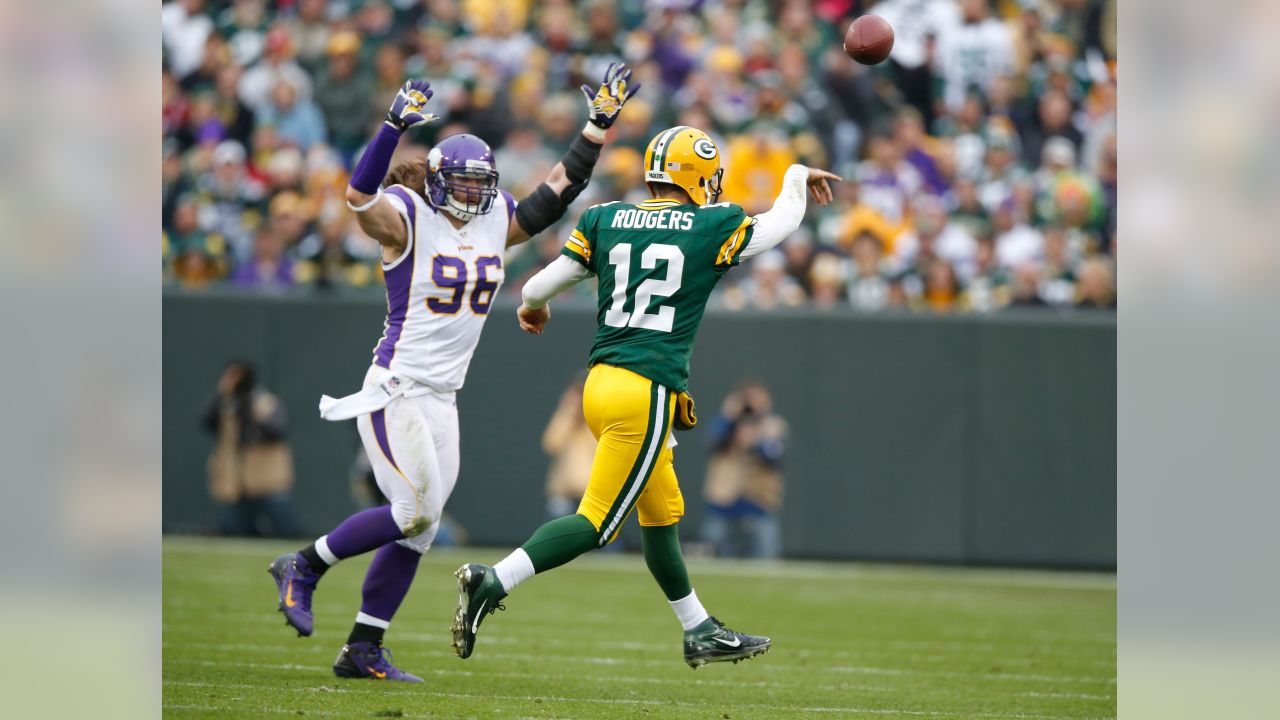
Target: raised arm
x=774 y=225
x=379 y=218
x=547 y=204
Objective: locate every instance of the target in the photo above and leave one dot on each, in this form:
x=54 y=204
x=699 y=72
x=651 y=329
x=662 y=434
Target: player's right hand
x=409 y=107
x=818 y=188
x=533 y=321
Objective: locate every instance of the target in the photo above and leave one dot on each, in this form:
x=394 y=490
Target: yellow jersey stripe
x=730 y=246
x=576 y=249
x=657 y=204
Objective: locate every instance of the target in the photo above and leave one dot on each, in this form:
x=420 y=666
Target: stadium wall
x=975 y=440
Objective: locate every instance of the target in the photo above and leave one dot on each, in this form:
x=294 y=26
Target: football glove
x=408 y=109
x=605 y=104
x=685 y=418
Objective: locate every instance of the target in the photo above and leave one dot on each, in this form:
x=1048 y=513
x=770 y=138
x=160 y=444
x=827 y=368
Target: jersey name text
x=652 y=219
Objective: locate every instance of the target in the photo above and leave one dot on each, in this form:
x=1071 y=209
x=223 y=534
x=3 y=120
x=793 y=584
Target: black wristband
x=581 y=159
x=540 y=210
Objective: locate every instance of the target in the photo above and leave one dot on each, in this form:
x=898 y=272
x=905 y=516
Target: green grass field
x=596 y=639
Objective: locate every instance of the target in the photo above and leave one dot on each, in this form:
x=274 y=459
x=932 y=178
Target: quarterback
x=442 y=246
x=656 y=263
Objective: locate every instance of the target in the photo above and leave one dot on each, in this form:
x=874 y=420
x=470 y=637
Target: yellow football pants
x=630 y=415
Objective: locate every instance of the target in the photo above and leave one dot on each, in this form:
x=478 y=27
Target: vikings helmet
x=460 y=157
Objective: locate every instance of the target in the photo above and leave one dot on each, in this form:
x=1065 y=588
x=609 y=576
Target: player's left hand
x=533 y=321
x=818 y=187
x=605 y=104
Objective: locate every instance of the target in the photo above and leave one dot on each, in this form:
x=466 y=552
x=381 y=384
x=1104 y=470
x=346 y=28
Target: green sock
x=662 y=555
x=560 y=541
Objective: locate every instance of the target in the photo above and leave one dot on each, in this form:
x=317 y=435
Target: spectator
x=856 y=218
x=870 y=281
x=1054 y=122
x=183 y=30
x=1022 y=131
x=569 y=443
x=1016 y=243
x=330 y=258
x=936 y=237
x=1096 y=289
x=257 y=83
x=989 y=288
x=197 y=257
x=1026 y=287
x=744 y=477
x=296 y=122
x=251 y=467
x=767 y=288
x=827 y=280
x=269 y=268
x=973 y=53
x=346 y=102
x=917 y=25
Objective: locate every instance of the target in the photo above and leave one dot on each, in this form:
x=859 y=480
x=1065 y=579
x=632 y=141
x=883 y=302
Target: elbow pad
x=580 y=160
x=540 y=210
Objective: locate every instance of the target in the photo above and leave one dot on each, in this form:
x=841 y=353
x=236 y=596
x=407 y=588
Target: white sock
x=322 y=549
x=690 y=611
x=371 y=620
x=514 y=569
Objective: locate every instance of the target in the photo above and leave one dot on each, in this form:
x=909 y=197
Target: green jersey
x=657 y=263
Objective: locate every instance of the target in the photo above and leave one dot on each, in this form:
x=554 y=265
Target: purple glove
x=407 y=110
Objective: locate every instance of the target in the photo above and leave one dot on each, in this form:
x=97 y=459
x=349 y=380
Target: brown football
x=868 y=39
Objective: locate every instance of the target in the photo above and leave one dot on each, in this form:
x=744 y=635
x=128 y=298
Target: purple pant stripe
x=379 y=419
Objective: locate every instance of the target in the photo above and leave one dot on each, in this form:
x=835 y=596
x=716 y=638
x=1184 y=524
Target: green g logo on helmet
x=705 y=148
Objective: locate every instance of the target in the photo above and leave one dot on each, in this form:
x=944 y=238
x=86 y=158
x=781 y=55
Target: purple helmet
x=461 y=177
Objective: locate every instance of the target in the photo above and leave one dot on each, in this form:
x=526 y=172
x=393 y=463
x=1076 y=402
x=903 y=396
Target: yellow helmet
x=687 y=158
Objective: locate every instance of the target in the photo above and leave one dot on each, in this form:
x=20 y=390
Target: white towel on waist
x=372 y=398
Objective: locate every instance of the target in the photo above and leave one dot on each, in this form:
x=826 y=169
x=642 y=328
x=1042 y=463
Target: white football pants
x=412 y=445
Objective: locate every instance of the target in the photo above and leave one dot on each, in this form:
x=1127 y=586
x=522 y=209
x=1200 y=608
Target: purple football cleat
x=295 y=582
x=369 y=660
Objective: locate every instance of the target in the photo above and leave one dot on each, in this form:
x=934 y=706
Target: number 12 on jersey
x=664 y=287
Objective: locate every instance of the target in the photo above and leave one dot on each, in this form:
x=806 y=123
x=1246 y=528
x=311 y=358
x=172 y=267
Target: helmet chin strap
x=458 y=212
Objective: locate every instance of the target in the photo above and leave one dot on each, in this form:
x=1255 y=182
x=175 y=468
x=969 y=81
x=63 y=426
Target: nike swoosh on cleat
x=736 y=642
x=379 y=675
x=288 y=596
x=475 y=622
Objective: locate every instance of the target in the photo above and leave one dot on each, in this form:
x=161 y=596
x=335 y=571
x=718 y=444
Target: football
x=868 y=39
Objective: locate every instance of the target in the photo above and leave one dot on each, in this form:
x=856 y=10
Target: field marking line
x=788 y=569
x=1064 y=696
x=858 y=670
x=628 y=679
x=631 y=701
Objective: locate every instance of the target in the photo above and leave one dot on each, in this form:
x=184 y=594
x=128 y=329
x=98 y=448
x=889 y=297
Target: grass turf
x=596 y=639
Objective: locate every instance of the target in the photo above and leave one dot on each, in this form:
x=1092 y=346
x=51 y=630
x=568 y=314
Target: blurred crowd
x=979 y=160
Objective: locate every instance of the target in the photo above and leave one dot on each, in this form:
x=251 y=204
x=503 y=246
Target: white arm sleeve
x=560 y=275
x=774 y=225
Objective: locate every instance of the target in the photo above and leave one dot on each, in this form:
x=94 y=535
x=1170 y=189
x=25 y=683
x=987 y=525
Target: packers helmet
x=687 y=158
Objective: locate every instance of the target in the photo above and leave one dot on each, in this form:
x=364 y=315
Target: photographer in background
x=744 y=477
x=251 y=467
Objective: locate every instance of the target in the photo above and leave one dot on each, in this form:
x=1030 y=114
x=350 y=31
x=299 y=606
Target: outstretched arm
x=547 y=204
x=774 y=225
x=552 y=280
x=379 y=218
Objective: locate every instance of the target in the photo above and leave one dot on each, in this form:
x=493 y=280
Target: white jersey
x=440 y=289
